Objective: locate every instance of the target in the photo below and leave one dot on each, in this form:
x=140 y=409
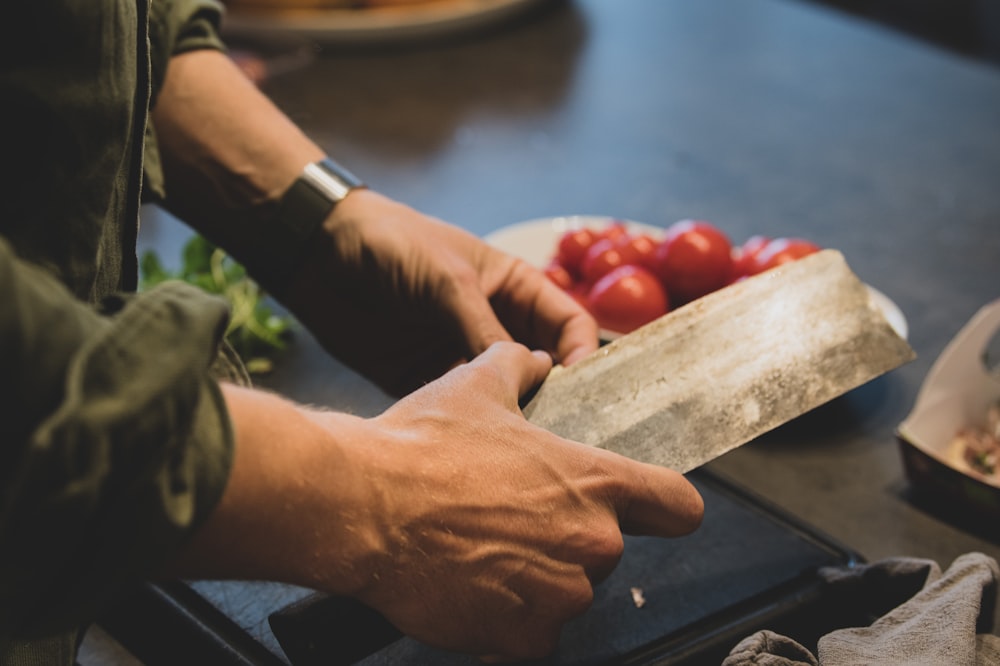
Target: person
x=129 y=452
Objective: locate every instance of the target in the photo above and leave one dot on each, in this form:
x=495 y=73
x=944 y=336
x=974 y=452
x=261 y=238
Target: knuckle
x=536 y=634
x=579 y=600
x=491 y=373
x=612 y=545
x=606 y=552
x=461 y=280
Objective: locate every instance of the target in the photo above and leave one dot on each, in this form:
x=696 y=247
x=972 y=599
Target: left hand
x=402 y=297
x=399 y=296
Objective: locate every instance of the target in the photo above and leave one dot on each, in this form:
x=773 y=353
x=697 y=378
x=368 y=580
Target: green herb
x=255 y=332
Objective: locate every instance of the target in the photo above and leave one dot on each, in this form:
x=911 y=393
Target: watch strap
x=308 y=202
x=301 y=212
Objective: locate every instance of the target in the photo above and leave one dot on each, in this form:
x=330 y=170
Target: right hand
x=495 y=530
x=466 y=526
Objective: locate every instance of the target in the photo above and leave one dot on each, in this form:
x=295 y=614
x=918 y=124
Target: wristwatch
x=320 y=187
x=300 y=214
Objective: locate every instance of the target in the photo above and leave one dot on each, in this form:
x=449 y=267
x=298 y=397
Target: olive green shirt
x=114 y=438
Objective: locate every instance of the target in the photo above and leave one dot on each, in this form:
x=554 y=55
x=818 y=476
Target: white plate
x=366 y=26
x=535 y=242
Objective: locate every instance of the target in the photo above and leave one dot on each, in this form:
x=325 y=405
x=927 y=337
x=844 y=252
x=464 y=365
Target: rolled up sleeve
x=115 y=440
x=175 y=26
x=184 y=25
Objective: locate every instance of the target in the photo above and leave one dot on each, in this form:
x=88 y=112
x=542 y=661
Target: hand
x=494 y=531
x=463 y=524
x=397 y=295
x=402 y=297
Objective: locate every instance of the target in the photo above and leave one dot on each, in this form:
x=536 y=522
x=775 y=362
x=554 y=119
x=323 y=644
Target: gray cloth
x=926 y=618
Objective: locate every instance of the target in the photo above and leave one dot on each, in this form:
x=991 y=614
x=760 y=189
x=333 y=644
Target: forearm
x=297 y=508
x=230 y=155
x=228 y=152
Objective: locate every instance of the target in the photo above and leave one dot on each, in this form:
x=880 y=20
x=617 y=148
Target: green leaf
x=255 y=332
x=197 y=256
x=152 y=270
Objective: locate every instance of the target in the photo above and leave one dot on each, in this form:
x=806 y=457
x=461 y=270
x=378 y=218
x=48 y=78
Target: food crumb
x=637 y=597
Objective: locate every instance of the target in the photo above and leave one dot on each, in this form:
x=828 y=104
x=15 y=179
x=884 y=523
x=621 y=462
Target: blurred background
x=968 y=27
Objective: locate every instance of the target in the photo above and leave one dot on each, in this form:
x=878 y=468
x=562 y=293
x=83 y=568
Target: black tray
x=750 y=566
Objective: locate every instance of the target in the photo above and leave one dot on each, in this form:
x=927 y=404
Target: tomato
x=693 y=259
x=745 y=255
x=644 y=248
x=626 y=298
x=579 y=293
x=559 y=275
x=781 y=251
x=573 y=246
x=604 y=256
x=627 y=279
x=615 y=231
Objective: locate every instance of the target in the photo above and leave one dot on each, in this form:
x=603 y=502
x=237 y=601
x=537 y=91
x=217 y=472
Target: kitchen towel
x=897 y=611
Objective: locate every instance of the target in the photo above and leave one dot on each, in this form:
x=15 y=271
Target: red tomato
x=626 y=298
x=644 y=247
x=559 y=275
x=694 y=259
x=614 y=231
x=579 y=293
x=745 y=255
x=782 y=250
x=604 y=256
x=573 y=245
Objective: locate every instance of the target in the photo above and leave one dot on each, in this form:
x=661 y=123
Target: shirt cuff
x=129 y=454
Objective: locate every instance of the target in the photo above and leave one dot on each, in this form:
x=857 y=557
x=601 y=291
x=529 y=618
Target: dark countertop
x=766 y=116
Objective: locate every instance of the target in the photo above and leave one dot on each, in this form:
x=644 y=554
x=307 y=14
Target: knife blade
x=725 y=368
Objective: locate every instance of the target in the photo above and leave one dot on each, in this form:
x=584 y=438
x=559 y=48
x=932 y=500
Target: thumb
x=520 y=369
x=657 y=501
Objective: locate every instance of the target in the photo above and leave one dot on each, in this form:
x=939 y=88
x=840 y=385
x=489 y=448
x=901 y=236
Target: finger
x=560 y=318
x=657 y=501
x=577 y=340
x=519 y=369
x=477 y=320
x=540 y=313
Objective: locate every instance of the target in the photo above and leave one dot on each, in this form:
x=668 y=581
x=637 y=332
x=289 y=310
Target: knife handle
x=330 y=630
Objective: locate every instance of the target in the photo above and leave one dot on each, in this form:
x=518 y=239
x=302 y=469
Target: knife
x=723 y=369
x=700 y=381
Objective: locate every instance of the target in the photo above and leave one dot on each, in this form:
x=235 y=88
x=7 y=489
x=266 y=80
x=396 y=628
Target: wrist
x=296 y=508
x=310 y=199
x=335 y=256
x=301 y=212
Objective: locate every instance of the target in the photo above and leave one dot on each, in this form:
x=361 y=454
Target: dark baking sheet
x=749 y=566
